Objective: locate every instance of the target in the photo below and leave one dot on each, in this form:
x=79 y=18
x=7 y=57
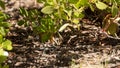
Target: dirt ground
x=84 y=48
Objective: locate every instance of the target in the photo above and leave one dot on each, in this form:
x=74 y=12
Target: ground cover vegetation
x=66 y=13
x=5 y=44
x=57 y=16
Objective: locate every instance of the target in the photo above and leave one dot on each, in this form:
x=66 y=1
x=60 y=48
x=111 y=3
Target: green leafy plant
x=64 y=10
x=46 y=30
x=69 y=11
x=2 y=4
x=60 y=12
x=55 y=13
x=5 y=44
x=43 y=26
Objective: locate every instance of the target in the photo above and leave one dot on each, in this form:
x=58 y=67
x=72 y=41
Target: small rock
x=18 y=63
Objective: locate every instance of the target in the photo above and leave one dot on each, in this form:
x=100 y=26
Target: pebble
x=19 y=58
x=18 y=63
x=9 y=61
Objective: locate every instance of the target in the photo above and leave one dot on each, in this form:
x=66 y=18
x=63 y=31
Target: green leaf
x=68 y=12
x=91 y=7
x=81 y=9
x=2 y=58
x=21 y=22
x=76 y=21
x=81 y=3
x=114 y=10
x=5 y=24
x=7 y=45
x=24 y=12
x=93 y=1
x=1 y=52
x=39 y=1
x=0 y=66
x=1 y=39
x=76 y=13
x=73 y=1
x=48 y=10
x=50 y=2
x=101 y=5
x=81 y=15
x=45 y=37
x=3 y=16
x=2 y=31
x=112 y=29
x=2 y=4
x=117 y=1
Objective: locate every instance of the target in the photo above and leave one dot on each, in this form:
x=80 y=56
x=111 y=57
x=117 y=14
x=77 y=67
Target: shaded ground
x=84 y=48
x=78 y=47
